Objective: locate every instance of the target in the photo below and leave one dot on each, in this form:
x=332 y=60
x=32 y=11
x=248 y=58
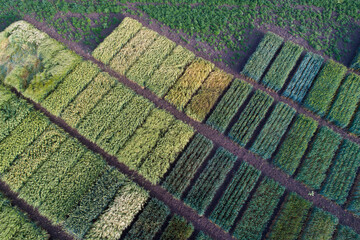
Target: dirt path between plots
x=267 y=169
x=56 y=232
x=177 y=206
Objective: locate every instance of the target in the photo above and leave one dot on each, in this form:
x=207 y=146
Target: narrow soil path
x=177 y=206
x=267 y=169
x=56 y=232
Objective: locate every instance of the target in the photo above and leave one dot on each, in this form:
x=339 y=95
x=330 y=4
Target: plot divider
x=177 y=206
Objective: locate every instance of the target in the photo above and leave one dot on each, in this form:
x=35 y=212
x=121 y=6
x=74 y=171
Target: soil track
x=56 y=232
x=267 y=169
x=177 y=206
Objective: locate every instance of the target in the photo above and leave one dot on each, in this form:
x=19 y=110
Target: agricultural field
x=136 y=135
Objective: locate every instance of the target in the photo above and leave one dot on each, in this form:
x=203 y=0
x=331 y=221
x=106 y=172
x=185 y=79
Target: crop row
x=280 y=69
x=346 y=101
x=16 y=225
x=304 y=76
x=296 y=142
x=229 y=104
x=250 y=117
x=210 y=179
x=274 y=128
x=66 y=182
x=260 y=59
x=155 y=216
x=187 y=165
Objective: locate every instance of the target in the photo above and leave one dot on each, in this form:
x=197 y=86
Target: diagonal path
x=267 y=169
x=56 y=232
x=177 y=206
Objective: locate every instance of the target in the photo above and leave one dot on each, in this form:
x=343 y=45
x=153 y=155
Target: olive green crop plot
x=169 y=71
x=128 y=55
x=88 y=99
x=116 y=40
x=203 y=101
x=180 y=94
x=70 y=87
x=142 y=70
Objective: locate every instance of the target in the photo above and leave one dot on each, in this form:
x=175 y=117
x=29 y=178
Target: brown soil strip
x=176 y=206
x=179 y=207
x=56 y=232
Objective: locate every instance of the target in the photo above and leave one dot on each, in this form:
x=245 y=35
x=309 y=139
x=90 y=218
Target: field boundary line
x=54 y=231
x=267 y=169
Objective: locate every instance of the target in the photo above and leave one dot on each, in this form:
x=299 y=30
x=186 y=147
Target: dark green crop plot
x=210 y=180
x=250 y=118
x=257 y=63
x=178 y=229
x=235 y=196
x=150 y=221
x=280 y=69
x=313 y=170
x=186 y=167
x=291 y=218
x=296 y=142
x=321 y=225
x=343 y=172
x=259 y=210
x=325 y=85
x=229 y=104
x=346 y=101
x=275 y=127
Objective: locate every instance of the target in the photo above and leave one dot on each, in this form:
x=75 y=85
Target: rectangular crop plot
x=235 y=196
x=150 y=60
x=322 y=92
x=304 y=77
x=270 y=135
x=20 y=138
x=229 y=104
x=128 y=201
x=145 y=138
x=87 y=99
x=188 y=164
x=112 y=138
x=180 y=94
x=210 y=180
x=346 y=101
x=343 y=172
x=203 y=101
x=116 y=40
x=356 y=62
x=105 y=112
x=166 y=151
x=34 y=156
x=169 y=71
x=260 y=59
x=312 y=172
x=321 y=225
x=38 y=187
x=72 y=85
x=149 y=222
x=296 y=142
x=177 y=229
x=128 y=55
x=291 y=218
x=12 y=111
x=259 y=210
x=280 y=69
x=250 y=118
x=94 y=202
x=77 y=181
